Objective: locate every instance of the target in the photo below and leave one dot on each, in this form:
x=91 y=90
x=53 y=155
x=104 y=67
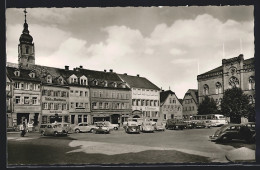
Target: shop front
x=54 y=116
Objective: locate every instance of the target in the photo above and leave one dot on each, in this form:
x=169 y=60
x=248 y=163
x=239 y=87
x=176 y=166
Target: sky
x=169 y=46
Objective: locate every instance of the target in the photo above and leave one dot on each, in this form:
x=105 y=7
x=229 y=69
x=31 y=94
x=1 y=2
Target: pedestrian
x=23 y=129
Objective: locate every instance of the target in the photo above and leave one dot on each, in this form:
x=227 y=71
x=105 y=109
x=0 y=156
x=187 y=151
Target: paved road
x=171 y=146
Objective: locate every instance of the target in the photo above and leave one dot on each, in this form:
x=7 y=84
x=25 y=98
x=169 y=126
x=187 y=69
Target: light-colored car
x=65 y=126
x=147 y=126
x=159 y=126
x=52 y=130
x=101 y=128
x=109 y=125
x=84 y=127
x=132 y=127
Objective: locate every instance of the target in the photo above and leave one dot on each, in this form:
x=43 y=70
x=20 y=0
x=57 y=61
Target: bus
x=215 y=119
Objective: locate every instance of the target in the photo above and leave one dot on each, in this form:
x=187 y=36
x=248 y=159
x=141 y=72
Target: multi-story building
x=79 y=102
x=233 y=72
x=26 y=95
x=190 y=103
x=170 y=105
x=9 y=102
x=109 y=96
x=145 y=97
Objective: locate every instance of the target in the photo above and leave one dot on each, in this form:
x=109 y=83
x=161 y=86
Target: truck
x=175 y=124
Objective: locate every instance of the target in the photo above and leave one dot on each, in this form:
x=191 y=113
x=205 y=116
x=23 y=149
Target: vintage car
x=84 y=127
x=147 y=126
x=190 y=124
x=200 y=124
x=101 y=128
x=132 y=127
x=111 y=126
x=52 y=130
x=175 y=124
x=230 y=132
x=159 y=126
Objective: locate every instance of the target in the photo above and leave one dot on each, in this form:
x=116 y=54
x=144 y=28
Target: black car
x=229 y=132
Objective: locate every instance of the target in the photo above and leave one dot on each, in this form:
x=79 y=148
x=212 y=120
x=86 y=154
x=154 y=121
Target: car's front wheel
x=115 y=128
x=77 y=130
x=55 y=133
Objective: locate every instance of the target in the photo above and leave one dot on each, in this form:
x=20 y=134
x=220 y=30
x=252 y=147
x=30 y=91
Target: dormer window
x=17 y=73
x=27 y=50
x=32 y=75
x=105 y=83
x=49 y=79
x=95 y=82
x=60 y=80
x=115 y=84
x=83 y=80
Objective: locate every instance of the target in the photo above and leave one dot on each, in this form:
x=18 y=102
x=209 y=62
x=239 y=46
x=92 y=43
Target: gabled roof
x=164 y=95
x=24 y=74
x=138 y=82
x=194 y=94
x=218 y=69
x=249 y=61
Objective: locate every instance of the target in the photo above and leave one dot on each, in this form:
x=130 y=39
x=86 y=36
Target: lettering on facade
x=54 y=99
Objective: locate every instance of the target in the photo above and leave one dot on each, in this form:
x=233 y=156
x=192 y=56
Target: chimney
x=105 y=70
x=125 y=73
x=66 y=67
x=138 y=75
x=111 y=70
x=81 y=67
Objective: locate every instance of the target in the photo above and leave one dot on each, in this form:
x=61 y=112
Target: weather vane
x=25 y=13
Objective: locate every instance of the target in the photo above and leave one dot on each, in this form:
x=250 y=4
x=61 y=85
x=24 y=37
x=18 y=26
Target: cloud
x=176 y=51
x=167 y=56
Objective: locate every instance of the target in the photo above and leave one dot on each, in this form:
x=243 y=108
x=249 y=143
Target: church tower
x=26 y=55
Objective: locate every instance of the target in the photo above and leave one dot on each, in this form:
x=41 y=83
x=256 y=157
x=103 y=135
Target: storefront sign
x=54 y=99
x=151 y=108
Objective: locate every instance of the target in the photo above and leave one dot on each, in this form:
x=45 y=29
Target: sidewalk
x=241 y=155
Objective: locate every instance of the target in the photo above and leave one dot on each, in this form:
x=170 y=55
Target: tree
x=235 y=104
x=207 y=106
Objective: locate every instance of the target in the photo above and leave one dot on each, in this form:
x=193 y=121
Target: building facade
x=145 y=97
x=9 y=102
x=233 y=72
x=170 y=105
x=26 y=96
x=190 y=103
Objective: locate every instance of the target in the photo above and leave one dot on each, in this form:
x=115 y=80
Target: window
x=17 y=85
x=17 y=73
x=85 y=118
x=251 y=99
x=26 y=86
x=35 y=87
x=115 y=84
x=71 y=91
x=79 y=118
x=172 y=116
x=100 y=105
x=27 y=50
x=51 y=106
x=26 y=100
x=71 y=105
x=81 y=93
x=205 y=89
x=45 y=106
x=106 y=105
x=105 y=83
x=233 y=82
x=164 y=116
x=17 y=99
x=100 y=94
x=60 y=106
x=34 y=100
x=94 y=105
x=218 y=88
x=86 y=94
x=49 y=79
x=251 y=83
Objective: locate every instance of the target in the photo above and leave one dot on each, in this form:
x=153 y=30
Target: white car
x=109 y=125
x=84 y=127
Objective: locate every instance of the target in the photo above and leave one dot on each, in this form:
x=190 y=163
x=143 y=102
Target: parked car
x=190 y=124
x=101 y=128
x=53 y=130
x=175 y=124
x=200 y=124
x=42 y=127
x=159 y=126
x=147 y=126
x=132 y=127
x=111 y=126
x=84 y=127
x=229 y=132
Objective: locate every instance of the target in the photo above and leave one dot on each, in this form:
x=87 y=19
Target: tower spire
x=25 y=15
